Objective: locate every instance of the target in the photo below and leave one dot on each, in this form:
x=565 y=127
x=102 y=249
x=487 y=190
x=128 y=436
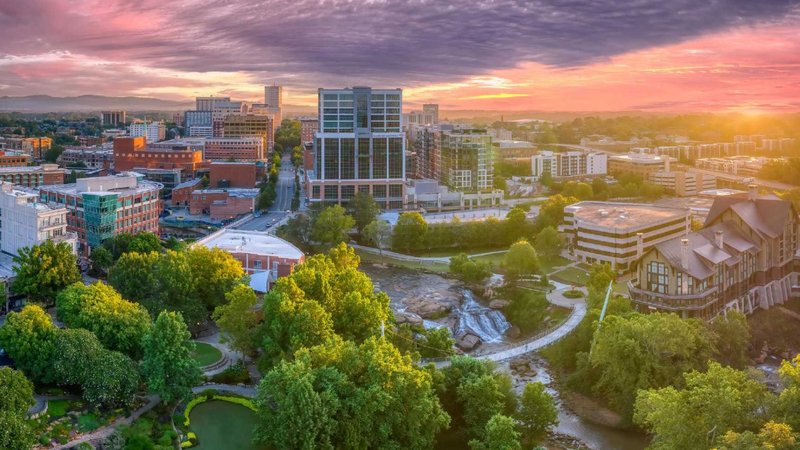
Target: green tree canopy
x=118 y=324
x=643 y=351
x=468 y=269
x=364 y=210
x=215 y=272
x=331 y=225
x=409 y=232
x=548 y=242
x=238 y=320
x=520 y=260
x=344 y=395
x=43 y=270
x=731 y=339
x=500 y=433
x=29 y=338
x=377 y=233
x=713 y=402
x=168 y=368
x=16 y=392
x=537 y=413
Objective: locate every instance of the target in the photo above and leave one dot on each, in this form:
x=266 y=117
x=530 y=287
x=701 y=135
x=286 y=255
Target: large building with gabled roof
x=745 y=257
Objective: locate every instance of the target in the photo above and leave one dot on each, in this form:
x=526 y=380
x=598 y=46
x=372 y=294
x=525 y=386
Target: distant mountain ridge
x=82 y=103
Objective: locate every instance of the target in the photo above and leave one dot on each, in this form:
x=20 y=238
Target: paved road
x=283 y=201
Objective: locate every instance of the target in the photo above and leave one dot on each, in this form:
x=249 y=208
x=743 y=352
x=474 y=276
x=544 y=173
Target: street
x=283 y=202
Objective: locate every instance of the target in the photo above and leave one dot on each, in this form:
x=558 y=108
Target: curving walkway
x=575 y=318
x=245 y=391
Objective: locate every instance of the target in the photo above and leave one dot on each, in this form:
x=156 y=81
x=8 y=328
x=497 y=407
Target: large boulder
x=402 y=317
x=468 y=341
x=513 y=332
x=428 y=307
x=498 y=304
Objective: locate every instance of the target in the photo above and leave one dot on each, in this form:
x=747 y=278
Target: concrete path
x=104 y=432
x=244 y=391
x=578 y=313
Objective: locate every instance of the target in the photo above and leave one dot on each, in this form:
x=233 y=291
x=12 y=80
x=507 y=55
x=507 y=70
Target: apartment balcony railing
x=698 y=301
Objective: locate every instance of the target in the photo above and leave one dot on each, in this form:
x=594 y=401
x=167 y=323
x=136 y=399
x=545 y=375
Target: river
x=405 y=286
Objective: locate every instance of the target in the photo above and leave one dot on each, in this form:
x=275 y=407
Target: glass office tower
x=360 y=147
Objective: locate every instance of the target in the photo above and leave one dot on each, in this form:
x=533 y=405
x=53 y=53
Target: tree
x=644 y=351
x=409 y=232
x=112 y=380
x=788 y=407
x=344 y=395
x=468 y=269
x=143 y=242
x=438 y=342
x=215 y=273
x=378 y=232
x=537 y=412
x=134 y=278
x=331 y=225
x=773 y=436
x=76 y=349
x=44 y=269
x=118 y=324
x=237 y=319
x=521 y=259
x=548 y=242
x=29 y=339
x=551 y=212
x=15 y=433
x=500 y=433
x=102 y=259
x=600 y=276
x=16 y=392
x=481 y=398
x=176 y=287
x=516 y=224
x=364 y=210
x=297 y=230
x=168 y=368
x=731 y=339
x=712 y=403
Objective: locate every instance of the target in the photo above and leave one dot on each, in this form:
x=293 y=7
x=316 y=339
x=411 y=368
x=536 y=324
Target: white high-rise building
x=153 y=131
x=568 y=164
x=27 y=222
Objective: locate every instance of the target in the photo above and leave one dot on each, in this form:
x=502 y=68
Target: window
x=331 y=193
x=396 y=157
x=348 y=192
x=379 y=158
x=348 y=160
x=363 y=158
x=379 y=192
x=657 y=277
x=395 y=190
x=362 y=110
x=257 y=264
x=314 y=191
x=331 y=162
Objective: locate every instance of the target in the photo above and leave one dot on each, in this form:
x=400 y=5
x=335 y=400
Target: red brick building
x=182 y=192
x=308 y=127
x=133 y=152
x=233 y=175
x=243 y=148
x=33 y=176
x=12 y=159
x=222 y=204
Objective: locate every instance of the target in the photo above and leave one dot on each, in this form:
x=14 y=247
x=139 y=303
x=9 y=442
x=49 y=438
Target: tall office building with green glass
x=360 y=147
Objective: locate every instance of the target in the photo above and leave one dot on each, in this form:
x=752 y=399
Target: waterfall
x=486 y=323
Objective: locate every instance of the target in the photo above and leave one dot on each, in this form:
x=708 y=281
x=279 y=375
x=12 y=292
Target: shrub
x=208 y=393
x=573 y=293
x=234 y=374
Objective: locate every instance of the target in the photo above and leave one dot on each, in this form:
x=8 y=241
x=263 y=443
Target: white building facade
x=25 y=221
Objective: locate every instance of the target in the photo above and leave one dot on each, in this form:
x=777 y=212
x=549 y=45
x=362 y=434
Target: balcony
x=673 y=302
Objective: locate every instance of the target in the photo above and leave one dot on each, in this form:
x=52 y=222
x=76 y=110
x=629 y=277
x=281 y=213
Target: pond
x=221 y=425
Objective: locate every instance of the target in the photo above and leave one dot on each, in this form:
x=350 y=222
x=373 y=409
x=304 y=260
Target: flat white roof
x=253 y=242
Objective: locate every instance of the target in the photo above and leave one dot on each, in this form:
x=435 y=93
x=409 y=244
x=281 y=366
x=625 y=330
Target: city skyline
x=503 y=55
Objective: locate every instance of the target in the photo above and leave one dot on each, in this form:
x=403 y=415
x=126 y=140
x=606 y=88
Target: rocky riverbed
x=431 y=300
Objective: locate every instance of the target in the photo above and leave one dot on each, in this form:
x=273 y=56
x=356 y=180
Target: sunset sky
x=557 y=55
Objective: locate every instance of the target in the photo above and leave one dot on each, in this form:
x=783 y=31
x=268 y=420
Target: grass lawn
x=206 y=354
x=495 y=260
x=571 y=275
x=221 y=425
x=549 y=263
x=57 y=408
x=413 y=265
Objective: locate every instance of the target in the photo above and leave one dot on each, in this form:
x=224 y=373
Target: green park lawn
x=571 y=275
x=206 y=354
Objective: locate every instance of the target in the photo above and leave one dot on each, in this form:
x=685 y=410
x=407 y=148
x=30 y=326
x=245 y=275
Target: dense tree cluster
x=784 y=171
x=16 y=396
x=192 y=282
x=167 y=366
x=41 y=271
x=470 y=270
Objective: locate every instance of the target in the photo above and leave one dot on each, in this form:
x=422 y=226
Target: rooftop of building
x=188 y=183
x=623 y=215
x=126 y=183
x=252 y=242
x=510 y=143
x=720 y=192
x=641 y=158
x=31 y=169
x=766 y=214
x=232 y=192
x=30 y=197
